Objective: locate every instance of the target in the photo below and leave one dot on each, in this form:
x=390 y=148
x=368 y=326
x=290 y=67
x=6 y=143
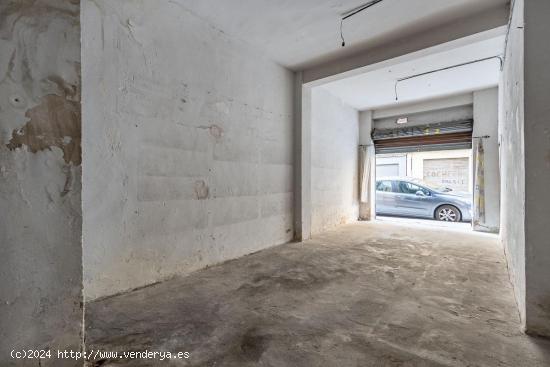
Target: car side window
x=405 y=187
x=384 y=186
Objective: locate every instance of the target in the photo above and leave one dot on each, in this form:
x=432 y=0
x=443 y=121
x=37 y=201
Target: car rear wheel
x=448 y=213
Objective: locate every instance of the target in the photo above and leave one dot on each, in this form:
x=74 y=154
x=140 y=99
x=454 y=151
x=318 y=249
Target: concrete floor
x=367 y=294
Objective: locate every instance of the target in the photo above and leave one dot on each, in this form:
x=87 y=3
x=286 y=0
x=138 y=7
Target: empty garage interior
x=199 y=177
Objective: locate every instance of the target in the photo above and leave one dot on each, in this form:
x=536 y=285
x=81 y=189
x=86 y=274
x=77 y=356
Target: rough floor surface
x=367 y=294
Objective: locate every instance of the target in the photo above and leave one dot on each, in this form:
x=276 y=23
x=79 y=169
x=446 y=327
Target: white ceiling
x=376 y=88
x=301 y=33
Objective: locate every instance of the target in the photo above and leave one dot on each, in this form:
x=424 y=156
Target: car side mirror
x=420 y=193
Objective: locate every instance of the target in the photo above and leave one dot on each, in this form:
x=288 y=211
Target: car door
x=385 y=197
x=412 y=200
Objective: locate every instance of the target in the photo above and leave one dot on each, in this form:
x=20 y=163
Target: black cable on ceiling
x=353 y=12
x=443 y=69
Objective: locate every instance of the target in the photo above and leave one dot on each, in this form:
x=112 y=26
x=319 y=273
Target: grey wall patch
x=202 y=190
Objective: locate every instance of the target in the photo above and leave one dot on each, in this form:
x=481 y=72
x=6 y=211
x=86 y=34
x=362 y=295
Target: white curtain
x=366 y=158
x=479 y=185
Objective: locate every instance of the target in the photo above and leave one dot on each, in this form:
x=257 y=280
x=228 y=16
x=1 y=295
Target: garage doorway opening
x=425 y=172
x=432 y=188
x=423 y=108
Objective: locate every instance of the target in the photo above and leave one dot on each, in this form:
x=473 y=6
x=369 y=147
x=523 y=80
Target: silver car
x=410 y=197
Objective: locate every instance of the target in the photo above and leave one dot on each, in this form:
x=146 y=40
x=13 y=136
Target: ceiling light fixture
x=351 y=13
x=402 y=120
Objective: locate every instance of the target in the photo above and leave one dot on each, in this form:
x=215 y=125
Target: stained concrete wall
x=537 y=164
x=188 y=145
x=511 y=130
x=40 y=175
x=486 y=124
x=334 y=154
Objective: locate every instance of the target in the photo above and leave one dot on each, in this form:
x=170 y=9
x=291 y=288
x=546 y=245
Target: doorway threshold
x=426 y=223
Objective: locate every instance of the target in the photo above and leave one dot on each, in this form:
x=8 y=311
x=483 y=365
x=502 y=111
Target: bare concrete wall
x=512 y=150
x=40 y=179
x=334 y=150
x=429 y=105
x=486 y=124
x=188 y=145
x=525 y=146
x=302 y=160
x=457 y=113
x=367 y=211
x=537 y=165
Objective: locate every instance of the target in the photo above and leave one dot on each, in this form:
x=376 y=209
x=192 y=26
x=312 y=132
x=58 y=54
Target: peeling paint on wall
x=54 y=122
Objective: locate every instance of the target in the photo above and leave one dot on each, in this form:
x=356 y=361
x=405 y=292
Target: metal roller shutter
x=441 y=136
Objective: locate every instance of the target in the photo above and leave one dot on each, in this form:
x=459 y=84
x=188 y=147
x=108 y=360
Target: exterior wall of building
x=449 y=168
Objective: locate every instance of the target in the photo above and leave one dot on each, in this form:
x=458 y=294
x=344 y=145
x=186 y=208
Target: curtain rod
x=473 y=137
